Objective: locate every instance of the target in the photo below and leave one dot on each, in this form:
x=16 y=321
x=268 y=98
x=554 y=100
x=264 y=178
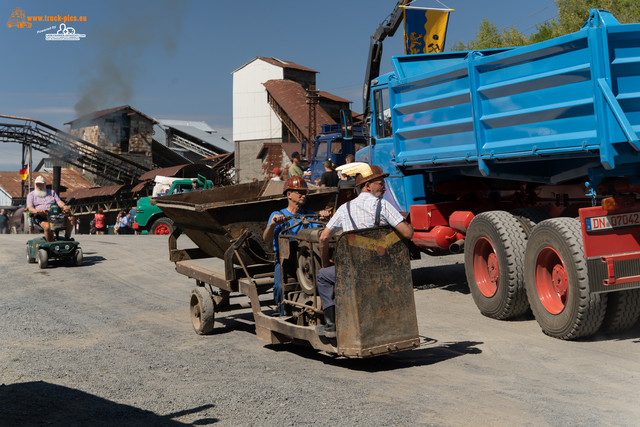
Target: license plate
x=602 y=223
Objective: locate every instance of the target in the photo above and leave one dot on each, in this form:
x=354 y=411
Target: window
x=336 y=147
x=360 y=145
x=321 y=151
x=383 y=113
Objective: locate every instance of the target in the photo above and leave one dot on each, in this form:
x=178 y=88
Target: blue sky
x=173 y=59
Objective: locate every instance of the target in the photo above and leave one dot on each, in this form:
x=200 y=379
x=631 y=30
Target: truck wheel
x=529 y=217
x=304 y=271
x=43 y=258
x=78 y=258
x=202 y=310
x=29 y=259
x=162 y=226
x=623 y=310
x=557 y=281
x=493 y=259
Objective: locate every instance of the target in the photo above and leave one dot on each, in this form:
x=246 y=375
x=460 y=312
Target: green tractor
x=40 y=250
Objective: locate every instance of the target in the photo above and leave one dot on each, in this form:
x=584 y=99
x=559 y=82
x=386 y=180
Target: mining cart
x=375 y=308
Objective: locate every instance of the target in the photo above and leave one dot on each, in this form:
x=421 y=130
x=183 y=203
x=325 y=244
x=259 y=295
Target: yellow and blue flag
x=425 y=30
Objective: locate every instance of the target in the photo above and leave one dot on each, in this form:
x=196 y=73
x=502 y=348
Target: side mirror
x=346 y=122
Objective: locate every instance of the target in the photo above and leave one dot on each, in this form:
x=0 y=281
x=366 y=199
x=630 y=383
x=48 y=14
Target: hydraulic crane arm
x=385 y=29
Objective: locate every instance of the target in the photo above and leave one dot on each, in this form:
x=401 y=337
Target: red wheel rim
x=162 y=229
x=552 y=282
x=485 y=267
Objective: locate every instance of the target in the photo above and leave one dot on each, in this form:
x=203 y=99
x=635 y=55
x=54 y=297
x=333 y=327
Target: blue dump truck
x=331 y=145
x=527 y=159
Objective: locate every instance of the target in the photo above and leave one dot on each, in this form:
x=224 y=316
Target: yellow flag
x=425 y=30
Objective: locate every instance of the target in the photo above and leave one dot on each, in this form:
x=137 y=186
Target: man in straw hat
x=368 y=210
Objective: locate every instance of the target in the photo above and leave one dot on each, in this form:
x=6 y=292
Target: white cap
x=40 y=180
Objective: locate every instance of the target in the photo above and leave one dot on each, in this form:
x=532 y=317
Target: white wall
x=253 y=118
x=5 y=199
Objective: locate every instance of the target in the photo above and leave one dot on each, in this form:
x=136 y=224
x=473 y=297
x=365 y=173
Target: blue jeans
x=277 y=287
x=326 y=279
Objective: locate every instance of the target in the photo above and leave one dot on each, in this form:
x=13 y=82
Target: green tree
x=572 y=14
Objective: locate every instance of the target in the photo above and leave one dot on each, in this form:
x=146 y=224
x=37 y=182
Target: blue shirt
x=294 y=231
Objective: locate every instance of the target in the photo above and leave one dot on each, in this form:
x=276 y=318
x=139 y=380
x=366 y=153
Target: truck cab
x=331 y=145
x=150 y=219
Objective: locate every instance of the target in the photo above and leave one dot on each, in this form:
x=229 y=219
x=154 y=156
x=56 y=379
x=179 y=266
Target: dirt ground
x=111 y=343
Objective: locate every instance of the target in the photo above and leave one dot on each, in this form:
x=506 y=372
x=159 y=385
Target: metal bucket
x=214 y=218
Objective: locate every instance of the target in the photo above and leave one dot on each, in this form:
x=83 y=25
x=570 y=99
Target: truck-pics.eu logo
x=63 y=32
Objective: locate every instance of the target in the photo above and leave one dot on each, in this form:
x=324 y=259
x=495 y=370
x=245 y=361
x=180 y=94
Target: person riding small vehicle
x=42 y=250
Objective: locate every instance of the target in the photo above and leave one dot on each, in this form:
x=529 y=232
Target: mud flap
x=375 y=308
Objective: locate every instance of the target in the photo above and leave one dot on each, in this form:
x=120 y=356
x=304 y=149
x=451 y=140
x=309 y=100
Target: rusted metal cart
x=375 y=309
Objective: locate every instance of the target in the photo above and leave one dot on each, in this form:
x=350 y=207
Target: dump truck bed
x=572 y=102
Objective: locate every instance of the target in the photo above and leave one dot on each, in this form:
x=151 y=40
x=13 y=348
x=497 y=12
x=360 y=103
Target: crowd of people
x=123 y=223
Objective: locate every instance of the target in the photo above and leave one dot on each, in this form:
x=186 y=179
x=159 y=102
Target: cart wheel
x=43 y=258
x=202 y=310
x=78 y=258
x=304 y=271
x=29 y=259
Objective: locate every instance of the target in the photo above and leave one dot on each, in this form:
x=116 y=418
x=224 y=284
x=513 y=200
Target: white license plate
x=601 y=223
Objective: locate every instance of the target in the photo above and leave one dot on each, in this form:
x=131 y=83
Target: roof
x=87 y=193
x=292 y=97
x=69 y=178
x=217 y=142
x=101 y=113
x=182 y=171
x=277 y=62
x=332 y=97
x=202 y=125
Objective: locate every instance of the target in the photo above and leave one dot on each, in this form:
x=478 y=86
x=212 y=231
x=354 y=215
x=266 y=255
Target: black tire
x=78 y=258
x=43 y=258
x=304 y=272
x=557 y=281
x=623 y=311
x=493 y=258
x=202 y=309
x=529 y=217
x=162 y=226
x=29 y=259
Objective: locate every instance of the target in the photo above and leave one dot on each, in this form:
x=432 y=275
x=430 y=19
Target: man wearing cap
x=276 y=174
x=295 y=188
x=295 y=169
x=368 y=210
x=39 y=201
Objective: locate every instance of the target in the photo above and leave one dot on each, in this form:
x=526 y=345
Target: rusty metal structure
x=373 y=277
x=72 y=150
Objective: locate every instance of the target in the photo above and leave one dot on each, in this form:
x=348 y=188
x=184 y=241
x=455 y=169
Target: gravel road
x=111 y=343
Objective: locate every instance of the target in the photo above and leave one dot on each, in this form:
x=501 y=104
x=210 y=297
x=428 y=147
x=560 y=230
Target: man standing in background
x=4 y=222
x=295 y=169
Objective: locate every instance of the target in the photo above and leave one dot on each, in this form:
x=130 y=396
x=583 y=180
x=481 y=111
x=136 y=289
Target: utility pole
x=312 y=101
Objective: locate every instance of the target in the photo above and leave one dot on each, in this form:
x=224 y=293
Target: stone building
x=121 y=130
